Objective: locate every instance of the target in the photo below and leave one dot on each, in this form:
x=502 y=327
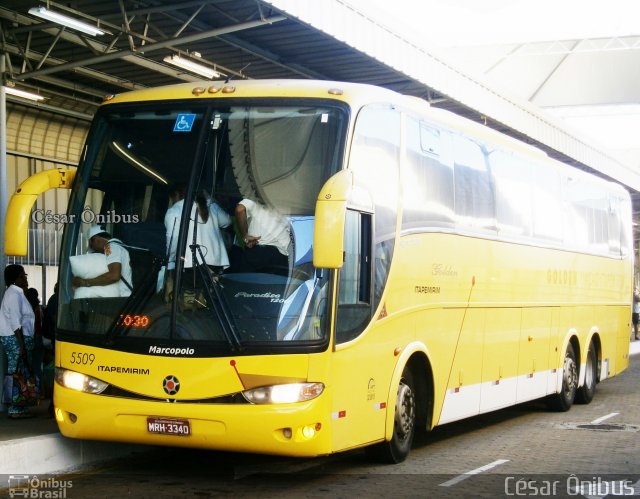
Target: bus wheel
x=404 y=424
x=585 y=393
x=564 y=400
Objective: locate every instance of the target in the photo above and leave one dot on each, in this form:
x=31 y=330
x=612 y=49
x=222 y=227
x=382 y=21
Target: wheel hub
x=405 y=411
x=570 y=375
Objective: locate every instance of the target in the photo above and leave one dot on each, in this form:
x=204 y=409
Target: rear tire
x=404 y=425
x=585 y=393
x=563 y=401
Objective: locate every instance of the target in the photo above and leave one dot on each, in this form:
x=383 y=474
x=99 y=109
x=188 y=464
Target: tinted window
x=474 y=202
x=427 y=179
x=375 y=162
x=513 y=188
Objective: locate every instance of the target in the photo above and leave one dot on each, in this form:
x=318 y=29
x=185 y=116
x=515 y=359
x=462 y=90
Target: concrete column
x=3 y=197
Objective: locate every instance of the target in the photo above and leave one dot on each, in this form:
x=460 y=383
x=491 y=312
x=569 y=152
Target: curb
x=53 y=453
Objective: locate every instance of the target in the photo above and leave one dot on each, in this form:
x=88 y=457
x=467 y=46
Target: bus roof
x=347 y=92
x=355 y=95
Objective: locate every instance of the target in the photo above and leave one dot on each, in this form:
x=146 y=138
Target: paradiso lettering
x=272 y=297
x=41 y=216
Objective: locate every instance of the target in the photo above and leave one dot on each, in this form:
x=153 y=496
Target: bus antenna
x=230 y=77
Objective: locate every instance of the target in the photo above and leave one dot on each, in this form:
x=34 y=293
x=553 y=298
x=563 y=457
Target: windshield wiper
x=216 y=299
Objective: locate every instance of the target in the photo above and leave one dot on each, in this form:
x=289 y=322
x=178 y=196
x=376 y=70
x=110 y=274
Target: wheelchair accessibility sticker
x=184 y=123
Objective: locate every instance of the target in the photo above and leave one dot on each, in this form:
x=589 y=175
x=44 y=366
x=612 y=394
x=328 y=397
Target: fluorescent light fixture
x=64 y=20
x=23 y=94
x=192 y=66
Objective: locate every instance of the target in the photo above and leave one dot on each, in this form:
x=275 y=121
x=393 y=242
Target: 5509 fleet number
x=82 y=358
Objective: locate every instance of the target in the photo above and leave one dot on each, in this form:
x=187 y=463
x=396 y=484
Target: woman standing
x=37 y=353
x=17 y=321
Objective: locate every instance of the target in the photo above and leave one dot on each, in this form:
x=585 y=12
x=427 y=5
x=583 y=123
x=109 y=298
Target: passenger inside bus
x=266 y=237
x=206 y=234
x=116 y=278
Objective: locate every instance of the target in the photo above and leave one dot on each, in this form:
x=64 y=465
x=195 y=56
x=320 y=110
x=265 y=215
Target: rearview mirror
x=16 y=227
x=328 y=233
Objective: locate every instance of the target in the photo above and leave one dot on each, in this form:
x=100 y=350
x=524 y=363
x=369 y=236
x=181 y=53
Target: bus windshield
x=194 y=224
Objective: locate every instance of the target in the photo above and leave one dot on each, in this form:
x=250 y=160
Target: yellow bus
x=435 y=269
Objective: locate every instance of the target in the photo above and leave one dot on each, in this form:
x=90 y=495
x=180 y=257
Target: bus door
x=358 y=373
x=362 y=366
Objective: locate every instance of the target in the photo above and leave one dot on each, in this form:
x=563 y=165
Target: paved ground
x=521 y=451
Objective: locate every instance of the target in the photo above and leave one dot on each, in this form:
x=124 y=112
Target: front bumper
x=299 y=429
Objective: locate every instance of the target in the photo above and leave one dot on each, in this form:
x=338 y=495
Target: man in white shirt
x=266 y=237
x=210 y=219
x=118 y=262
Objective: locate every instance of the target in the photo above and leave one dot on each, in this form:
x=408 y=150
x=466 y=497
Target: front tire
x=563 y=401
x=404 y=424
x=585 y=393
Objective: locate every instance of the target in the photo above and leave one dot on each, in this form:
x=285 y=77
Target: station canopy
x=502 y=82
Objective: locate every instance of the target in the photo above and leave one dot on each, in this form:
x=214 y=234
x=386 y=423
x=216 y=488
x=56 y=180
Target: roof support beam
x=237 y=42
x=152 y=47
x=90 y=73
x=550 y=75
x=132 y=56
x=51 y=109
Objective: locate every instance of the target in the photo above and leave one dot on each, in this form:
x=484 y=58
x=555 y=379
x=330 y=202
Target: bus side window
x=513 y=193
x=620 y=239
x=375 y=161
x=428 y=178
x=354 y=298
x=474 y=198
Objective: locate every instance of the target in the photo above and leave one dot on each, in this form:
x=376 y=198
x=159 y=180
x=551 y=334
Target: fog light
x=308 y=431
x=287 y=432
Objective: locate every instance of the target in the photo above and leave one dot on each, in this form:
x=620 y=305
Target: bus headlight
x=283 y=394
x=80 y=382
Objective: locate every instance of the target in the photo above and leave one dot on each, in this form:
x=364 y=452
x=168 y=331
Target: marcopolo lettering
x=171 y=350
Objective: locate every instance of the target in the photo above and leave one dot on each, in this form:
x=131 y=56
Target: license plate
x=167 y=426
